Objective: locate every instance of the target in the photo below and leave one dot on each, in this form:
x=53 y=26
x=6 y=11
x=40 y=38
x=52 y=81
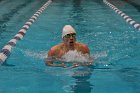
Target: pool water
x=113 y=43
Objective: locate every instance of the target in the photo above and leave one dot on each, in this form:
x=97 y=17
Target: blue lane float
x=6 y=50
x=122 y=14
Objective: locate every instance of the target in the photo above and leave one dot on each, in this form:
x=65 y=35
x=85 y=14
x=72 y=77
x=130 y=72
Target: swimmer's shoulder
x=53 y=50
x=83 y=47
x=56 y=47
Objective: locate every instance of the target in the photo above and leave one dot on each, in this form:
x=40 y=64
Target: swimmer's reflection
x=81 y=74
x=82 y=83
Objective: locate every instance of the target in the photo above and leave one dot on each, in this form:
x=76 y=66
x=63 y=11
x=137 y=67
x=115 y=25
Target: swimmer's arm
x=51 y=53
x=50 y=63
x=55 y=65
x=86 y=49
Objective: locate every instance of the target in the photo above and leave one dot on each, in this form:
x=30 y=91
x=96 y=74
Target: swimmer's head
x=68 y=29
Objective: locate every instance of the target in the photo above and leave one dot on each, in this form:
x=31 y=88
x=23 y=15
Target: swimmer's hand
x=85 y=64
x=63 y=65
x=75 y=65
x=55 y=65
x=88 y=64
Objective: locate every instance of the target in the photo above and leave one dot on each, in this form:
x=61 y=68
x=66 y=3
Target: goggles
x=69 y=35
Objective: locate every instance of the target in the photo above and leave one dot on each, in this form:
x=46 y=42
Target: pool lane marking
x=126 y=17
x=6 y=50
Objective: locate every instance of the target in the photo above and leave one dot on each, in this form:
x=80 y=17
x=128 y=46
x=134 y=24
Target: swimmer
x=69 y=44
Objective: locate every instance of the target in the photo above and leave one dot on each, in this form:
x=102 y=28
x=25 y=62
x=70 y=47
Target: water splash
x=37 y=55
x=75 y=56
x=100 y=54
x=72 y=57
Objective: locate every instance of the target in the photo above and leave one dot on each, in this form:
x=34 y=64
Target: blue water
x=113 y=43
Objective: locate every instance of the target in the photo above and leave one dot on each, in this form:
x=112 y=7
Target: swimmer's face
x=70 y=39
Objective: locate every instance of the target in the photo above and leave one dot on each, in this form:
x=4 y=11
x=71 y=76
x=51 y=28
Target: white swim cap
x=67 y=30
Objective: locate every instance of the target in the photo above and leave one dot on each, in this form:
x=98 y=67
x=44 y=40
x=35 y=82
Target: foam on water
x=75 y=56
x=37 y=55
x=72 y=57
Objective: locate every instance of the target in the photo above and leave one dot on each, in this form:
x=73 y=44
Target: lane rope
x=122 y=14
x=6 y=50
